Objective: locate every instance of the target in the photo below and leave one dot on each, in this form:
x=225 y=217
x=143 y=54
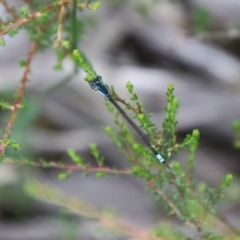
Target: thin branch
x=18 y=98
x=82 y=5
x=9 y=9
x=60 y=24
x=74 y=25
x=68 y=167
x=21 y=21
x=171 y=205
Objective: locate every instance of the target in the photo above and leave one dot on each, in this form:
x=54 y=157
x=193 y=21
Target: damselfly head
x=98 y=78
x=94 y=84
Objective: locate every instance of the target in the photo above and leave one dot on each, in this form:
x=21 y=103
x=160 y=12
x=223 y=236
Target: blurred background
x=193 y=44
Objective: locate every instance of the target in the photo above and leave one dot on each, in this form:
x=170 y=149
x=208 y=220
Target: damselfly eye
x=99 y=78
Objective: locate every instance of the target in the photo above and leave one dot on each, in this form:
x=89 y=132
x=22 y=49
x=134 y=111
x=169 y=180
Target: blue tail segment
x=160 y=158
x=99 y=86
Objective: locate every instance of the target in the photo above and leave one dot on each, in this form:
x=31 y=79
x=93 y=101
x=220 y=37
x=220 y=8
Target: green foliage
x=101 y=174
x=190 y=202
x=22 y=63
x=226 y=181
x=81 y=61
x=24 y=11
x=64 y=175
x=114 y=137
x=96 y=153
x=166 y=231
x=173 y=183
x=53 y=25
x=13 y=144
x=4 y=104
x=75 y=158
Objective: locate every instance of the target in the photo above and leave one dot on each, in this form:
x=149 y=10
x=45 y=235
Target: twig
x=171 y=204
x=18 y=98
x=21 y=21
x=68 y=167
x=82 y=5
x=9 y=9
x=74 y=25
x=60 y=25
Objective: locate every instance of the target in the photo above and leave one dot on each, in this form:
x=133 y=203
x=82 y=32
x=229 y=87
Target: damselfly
x=99 y=86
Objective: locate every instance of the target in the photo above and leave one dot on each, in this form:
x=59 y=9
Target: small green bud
x=170 y=88
x=129 y=87
x=226 y=181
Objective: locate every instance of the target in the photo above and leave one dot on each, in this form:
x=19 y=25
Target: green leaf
x=82 y=62
x=109 y=130
x=168 y=231
x=112 y=134
x=22 y=63
x=101 y=174
x=24 y=11
x=12 y=32
x=96 y=153
x=15 y=146
x=195 y=133
x=226 y=181
x=75 y=158
x=138 y=147
x=64 y=175
x=4 y=104
x=175 y=103
x=170 y=88
x=129 y=87
x=189 y=139
x=195 y=210
x=136 y=169
x=135 y=97
x=141 y=118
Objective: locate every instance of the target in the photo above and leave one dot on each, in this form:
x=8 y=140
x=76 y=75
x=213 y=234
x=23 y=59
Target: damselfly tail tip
x=160 y=158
